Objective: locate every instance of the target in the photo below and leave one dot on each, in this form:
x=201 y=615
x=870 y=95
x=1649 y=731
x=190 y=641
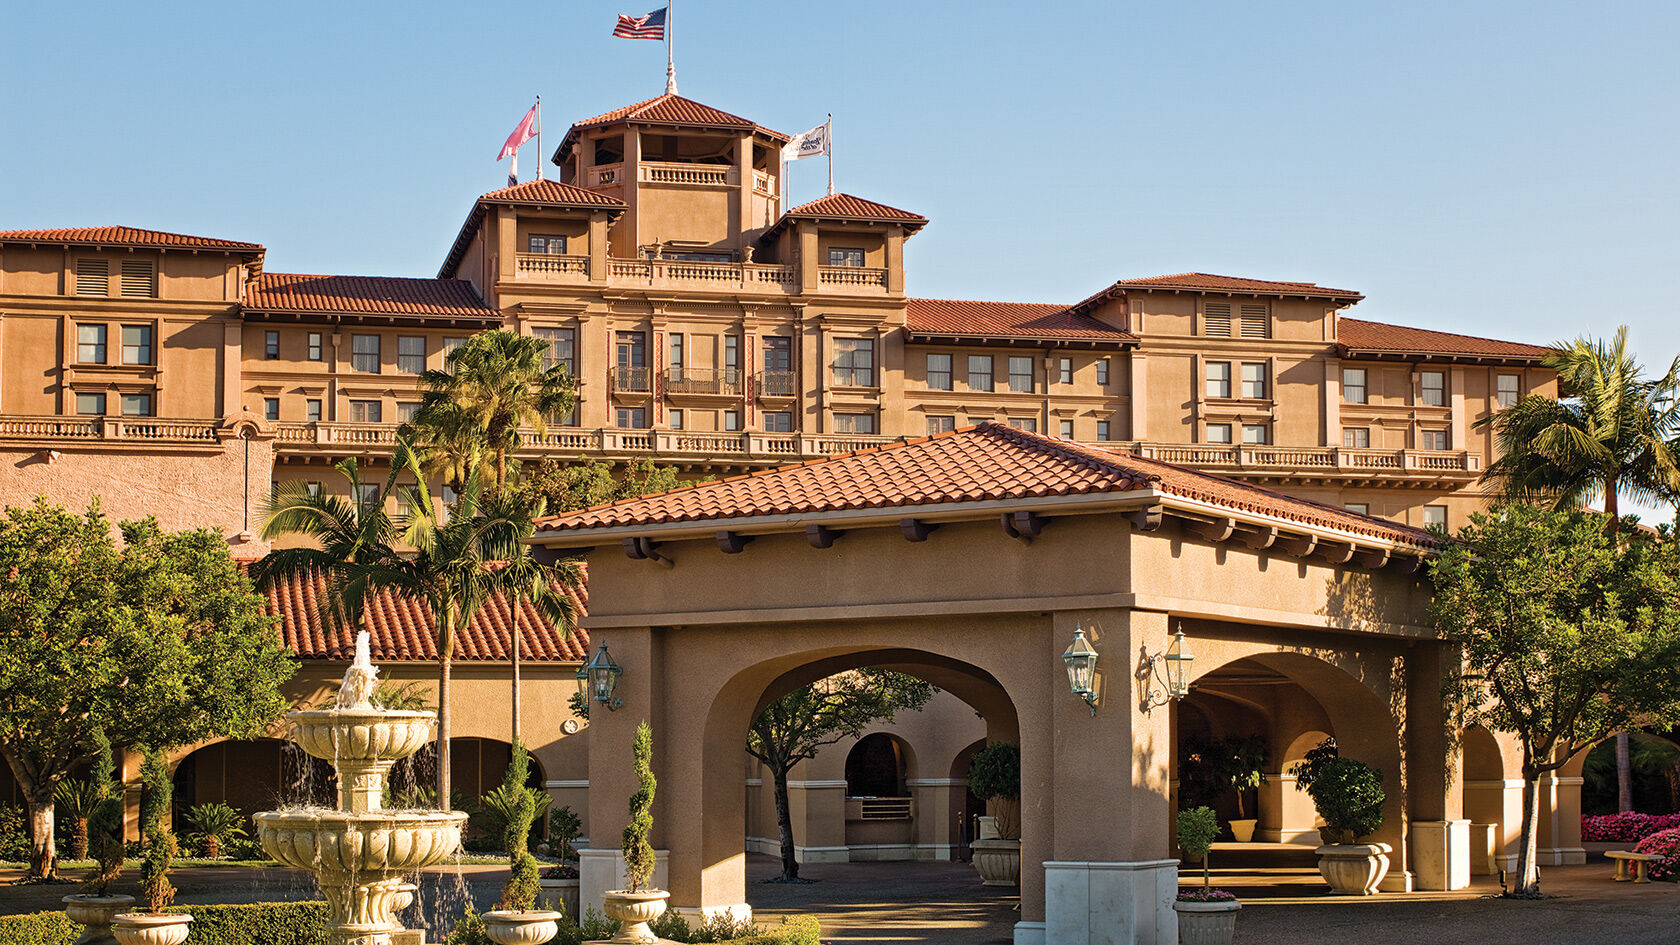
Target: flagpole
x=539 y=138
x=670 y=43
x=830 y=143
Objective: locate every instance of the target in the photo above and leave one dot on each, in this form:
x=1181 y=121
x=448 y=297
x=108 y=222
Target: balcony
x=551 y=267
x=763 y=184
x=699 y=276
x=777 y=384
x=605 y=175
x=687 y=380
x=688 y=175
x=108 y=429
x=1284 y=463
x=852 y=279
x=631 y=380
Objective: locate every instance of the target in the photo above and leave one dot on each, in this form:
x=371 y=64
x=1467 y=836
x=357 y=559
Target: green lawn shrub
x=261 y=923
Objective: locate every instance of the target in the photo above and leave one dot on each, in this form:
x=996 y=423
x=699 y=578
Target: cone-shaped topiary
x=105 y=822
x=520 y=892
x=638 y=852
x=160 y=841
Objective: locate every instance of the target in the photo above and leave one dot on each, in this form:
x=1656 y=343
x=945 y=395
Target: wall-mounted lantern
x=1081 y=662
x=598 y=678
x=1171 y=669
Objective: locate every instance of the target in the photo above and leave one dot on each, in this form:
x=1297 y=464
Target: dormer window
x=547 y=245
x=844 y=257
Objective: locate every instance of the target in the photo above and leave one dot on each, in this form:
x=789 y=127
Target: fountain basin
x=342 y=842
x=362 y=735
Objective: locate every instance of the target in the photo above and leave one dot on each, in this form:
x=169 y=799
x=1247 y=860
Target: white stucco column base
x=1560 y=856
x=1029 y=933
x=1398 y=880
x=601 y=870
x=1109 y=903
x=1441 y=854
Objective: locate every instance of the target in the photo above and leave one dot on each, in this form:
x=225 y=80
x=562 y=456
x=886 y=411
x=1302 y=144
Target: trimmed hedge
x=794 y=930
x=261 y=923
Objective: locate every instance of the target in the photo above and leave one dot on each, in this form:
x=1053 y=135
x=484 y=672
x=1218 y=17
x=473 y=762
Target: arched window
x=875 y=768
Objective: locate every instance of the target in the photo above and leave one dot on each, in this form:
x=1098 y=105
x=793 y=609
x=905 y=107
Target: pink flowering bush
x=1630 y=827
x=1214 y=894
x=1665 y=844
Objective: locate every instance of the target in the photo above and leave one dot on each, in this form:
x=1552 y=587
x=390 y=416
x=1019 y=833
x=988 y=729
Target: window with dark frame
x=1356 y=438
x=1029 y=424
x=1219 y=433
x=315 y=346
x=271 y=346
x=632 y=418
x=137 y=344
x=1102 y=431
x=979 y=372
x=1434 y=388
x=366 y=411
x=939 y=372
x=137 y=405
x=777 y=421
x=1354 y=389
x=937 y=423
x=90 y=344
x=1254 y=380
x=1257 y=434
x=854 y=362
x=545 y=244
x=1102 y=372
x=1064 y=370
x=312 y=410
x=859 y=423
x=1218 y=379
x=90 y=404
x=1021 y=375
x=1067 y=429
x=364 y=353
x=271 y=408
x=1507 y=390
x=1432 y=439
x=845 y=257
x=411 y=354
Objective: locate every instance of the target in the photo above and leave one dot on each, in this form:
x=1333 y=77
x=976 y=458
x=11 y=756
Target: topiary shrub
x=638 y=852
x=994 y=775
x=105 y=822
x=519 y=894
x=1349 y=797
x=1666 y=844
x=160 y=841
x=1196 y=829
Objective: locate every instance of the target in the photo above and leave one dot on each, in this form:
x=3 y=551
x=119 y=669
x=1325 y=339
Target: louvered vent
x=1216 y=319
x=1255 y=322
x=93 y=277
x=139 y=278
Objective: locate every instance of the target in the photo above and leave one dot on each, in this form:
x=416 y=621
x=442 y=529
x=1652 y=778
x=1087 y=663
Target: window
x=93 y=277
x=411 y=354
x=1102 y=431
x=137 y=405
x=137 y=344
x=1360 y=508
x=271 y=346
x=449 y=496
x=407 y=411
x=90 y=344
x=732 y=358
x=980 y=372
x=732 y=420
x=1216 y=319
x=312 y=410
x=1102 y=372
x=1067 y=429
x=1256 y=322
x=676 y=356
x=1353 y=385
x=1434 y=385
x=676 y=417
x=941 y=424
x=137 y=279
x=632 y=418
x=542 y=243
x=562 y=348
x=1219 y=433
x=450 y=344
x=778 y=354
x=364 y=353
x=271 y=408
x=1257 y=433
x=1356 y=438
x=366 y=411
x=314 y=346
x=778 y=421
x=1021 y=375
x=1506 y=390
x=1434 y=516
x=1029 y=424
x=1219 y=379
x=90 y=404
x=854 y=423
x=313 y=488
x=849 y=258
x=1064 y=371
x=405 y=502
x=1254 y=381
x=368 y=501
x=1432 y=439
x=854 y=362
x=939 y=372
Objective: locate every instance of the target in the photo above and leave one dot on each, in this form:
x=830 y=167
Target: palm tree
x=489 y=387
x=1616 y=435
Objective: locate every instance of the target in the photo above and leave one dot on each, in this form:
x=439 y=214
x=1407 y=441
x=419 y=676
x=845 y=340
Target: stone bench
x=1622 y=858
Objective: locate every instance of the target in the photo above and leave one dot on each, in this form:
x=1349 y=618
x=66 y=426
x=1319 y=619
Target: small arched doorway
x=880 y=813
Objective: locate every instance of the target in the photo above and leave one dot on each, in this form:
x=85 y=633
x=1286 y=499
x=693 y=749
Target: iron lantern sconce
x=598 y=678
x=1171 y=669
x=1080 y=658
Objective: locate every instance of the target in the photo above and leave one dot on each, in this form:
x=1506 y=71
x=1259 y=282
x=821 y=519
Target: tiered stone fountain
x=361 y=852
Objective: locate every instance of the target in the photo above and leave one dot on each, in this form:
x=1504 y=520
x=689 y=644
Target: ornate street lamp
x=598 y=678
x=1171 y=669
x=1081 y=662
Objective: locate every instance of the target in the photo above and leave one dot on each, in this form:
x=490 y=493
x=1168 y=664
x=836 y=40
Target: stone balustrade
x=1312 y=461
x=143 y=429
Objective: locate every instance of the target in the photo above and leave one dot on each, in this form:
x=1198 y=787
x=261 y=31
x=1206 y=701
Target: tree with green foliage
x=994 y=776
x=520 y=891
x=157 y=793
x=800 y=724
x=1349 y=797
x=567 y=487
x=1209 y=768
x=74 y=800
x=638 y=850
x=161 y=642
x=1196 y=829
x=1569 y=635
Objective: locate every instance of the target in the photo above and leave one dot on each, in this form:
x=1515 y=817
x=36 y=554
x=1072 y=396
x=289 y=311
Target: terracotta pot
x=998 y=861
x=1243 y=830
x=1206 y=923
x=145 y=928
x=533 y=927
x=635 y=910
x=1354 y=869
x=94 y=913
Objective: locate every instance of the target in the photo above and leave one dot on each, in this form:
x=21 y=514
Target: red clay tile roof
x=1354 y=336
x=667 y=109
x=125 y=236
x=1207 y=282
x=400 y=628
x=846 y=206
x=988 y=462
x=1008 y=320
x=379 y=295
x=541 y=193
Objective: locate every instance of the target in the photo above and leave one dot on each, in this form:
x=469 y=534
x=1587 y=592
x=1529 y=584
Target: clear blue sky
x=1501 y=168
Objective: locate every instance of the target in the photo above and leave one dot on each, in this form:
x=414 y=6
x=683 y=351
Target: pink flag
x=525 y=132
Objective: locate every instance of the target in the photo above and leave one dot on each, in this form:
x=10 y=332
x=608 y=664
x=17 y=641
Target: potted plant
x=515 y=920
x=636 y=906
x=153 y=927
x=1349 y=797
x=1210 y=767
x=213 y=824
x=1243 y=765
x=994 y=775
x=560 y=883
x=1206 y=916
x=95 y=906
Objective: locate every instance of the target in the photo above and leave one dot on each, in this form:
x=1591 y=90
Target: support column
x=611 y=780
x=1438 y=842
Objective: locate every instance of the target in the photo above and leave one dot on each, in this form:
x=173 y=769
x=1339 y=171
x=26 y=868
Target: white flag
x=809 y=144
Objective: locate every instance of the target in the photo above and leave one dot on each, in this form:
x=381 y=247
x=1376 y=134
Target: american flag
x=651 y=26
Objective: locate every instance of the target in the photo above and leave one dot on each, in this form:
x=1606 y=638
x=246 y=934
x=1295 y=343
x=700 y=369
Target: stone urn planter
x=147 y=928
x=533 y=927
x=95 y=912
x=635 y=910
x=563 y=893
x=1243 y=830
x=998 y=862
x=1212 y=922
x=1353 y=869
